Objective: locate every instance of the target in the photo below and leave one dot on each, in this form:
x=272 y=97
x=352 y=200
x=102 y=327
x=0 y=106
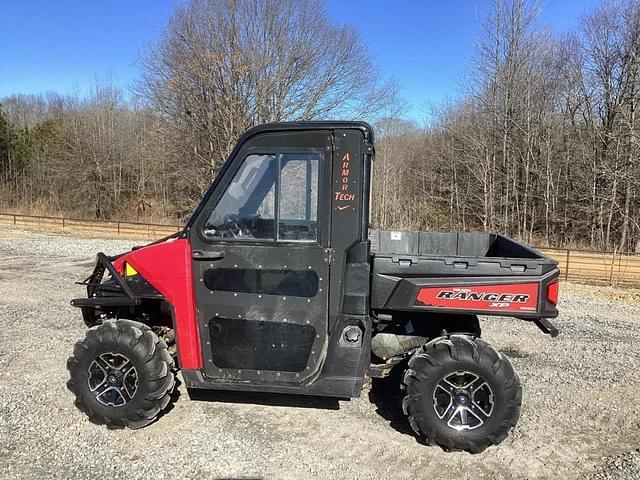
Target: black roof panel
x=309 y=125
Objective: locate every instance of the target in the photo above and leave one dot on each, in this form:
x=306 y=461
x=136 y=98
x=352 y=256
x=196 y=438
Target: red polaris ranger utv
x=278 y=284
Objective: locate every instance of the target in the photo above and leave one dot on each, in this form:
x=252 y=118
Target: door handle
x=205 y=255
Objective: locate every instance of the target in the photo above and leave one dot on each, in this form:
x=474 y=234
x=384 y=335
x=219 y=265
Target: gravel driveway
x=580 y=418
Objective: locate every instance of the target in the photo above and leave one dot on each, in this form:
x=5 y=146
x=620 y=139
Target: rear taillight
x=552 y=292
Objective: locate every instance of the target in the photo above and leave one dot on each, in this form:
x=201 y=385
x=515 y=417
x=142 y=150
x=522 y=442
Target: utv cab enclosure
x=277 y=283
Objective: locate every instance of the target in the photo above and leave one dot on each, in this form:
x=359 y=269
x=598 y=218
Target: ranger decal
x=505 y=298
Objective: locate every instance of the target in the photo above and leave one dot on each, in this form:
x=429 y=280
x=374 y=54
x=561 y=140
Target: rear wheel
x=461 y=393
x=121 y=374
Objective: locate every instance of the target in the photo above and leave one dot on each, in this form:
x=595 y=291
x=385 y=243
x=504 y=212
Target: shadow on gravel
x=514 y=352
x=269 y=399
x=386 y=395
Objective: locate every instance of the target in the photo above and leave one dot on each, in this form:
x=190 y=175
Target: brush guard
x=93 y=282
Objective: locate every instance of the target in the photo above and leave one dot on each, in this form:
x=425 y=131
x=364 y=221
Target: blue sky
x=66 y=45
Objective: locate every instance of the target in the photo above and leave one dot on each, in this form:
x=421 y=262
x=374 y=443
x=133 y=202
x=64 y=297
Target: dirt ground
x=580 y=398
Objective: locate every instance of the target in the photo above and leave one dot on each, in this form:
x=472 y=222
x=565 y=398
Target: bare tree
x=225 y=65
x=544 y=144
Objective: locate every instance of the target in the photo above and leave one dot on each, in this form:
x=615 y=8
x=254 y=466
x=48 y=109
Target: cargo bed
x=481 y=273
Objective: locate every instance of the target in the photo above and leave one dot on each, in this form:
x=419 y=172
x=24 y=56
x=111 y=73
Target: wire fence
x=580 y=266
x=132 y=230
x=616 y=269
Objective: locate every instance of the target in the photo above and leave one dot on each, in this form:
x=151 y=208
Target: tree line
x=541 y=144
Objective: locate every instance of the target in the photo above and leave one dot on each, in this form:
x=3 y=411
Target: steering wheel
x=233 y=225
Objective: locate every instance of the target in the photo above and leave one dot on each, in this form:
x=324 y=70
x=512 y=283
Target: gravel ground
x=580 y=417
x=621 y=467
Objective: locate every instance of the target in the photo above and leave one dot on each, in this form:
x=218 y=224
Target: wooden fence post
x=566 y=272
x=619 y=278
x=613 y=262
x=118 y=228
x=14 y=219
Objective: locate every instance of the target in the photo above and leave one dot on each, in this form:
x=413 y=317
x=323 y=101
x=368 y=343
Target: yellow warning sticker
x=129 y=271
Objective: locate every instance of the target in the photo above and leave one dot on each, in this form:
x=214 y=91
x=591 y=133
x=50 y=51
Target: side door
x=259 y=267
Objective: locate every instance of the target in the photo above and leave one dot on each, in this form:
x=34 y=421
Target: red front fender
x=167 y=266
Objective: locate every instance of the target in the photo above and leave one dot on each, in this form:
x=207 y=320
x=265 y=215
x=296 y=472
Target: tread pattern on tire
x=450 y=349
x=158 y=363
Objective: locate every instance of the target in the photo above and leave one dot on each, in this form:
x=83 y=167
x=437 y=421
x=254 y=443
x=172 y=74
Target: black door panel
x=287 y=282
x=260 y=345
x=259 y=314
x=261 y=278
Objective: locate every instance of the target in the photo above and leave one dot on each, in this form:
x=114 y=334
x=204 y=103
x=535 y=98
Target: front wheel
x=121 y=374
x=461 y=394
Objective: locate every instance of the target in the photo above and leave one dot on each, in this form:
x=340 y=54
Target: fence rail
x=75 y=225
x=597 y=268
x=580 y=266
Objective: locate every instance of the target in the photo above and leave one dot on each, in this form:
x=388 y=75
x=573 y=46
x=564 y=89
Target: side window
x=247 y=208
x=298 y=199
x=268 y=190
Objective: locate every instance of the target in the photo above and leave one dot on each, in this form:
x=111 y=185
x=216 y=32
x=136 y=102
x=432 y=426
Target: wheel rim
x=464 y=400
x=113 y=379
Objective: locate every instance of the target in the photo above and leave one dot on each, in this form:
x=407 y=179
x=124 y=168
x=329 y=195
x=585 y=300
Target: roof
x=310 y=125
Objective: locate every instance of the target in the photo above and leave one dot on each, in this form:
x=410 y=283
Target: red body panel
x=514 y=298
x=167 y=266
